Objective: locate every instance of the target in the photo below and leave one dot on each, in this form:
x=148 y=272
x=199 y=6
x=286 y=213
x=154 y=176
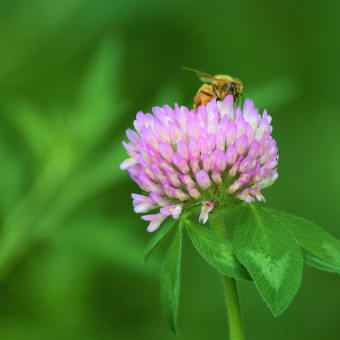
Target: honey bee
x=218 y=87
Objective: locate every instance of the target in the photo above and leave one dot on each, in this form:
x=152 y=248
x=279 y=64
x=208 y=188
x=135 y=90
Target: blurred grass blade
x=105 y=239
x=83 y=185
x=100 y=105
x=42 y=135
x=22 y=218
x=64 y=181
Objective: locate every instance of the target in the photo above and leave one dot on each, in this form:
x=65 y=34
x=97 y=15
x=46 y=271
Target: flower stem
x=230 y=290
x=233 y=307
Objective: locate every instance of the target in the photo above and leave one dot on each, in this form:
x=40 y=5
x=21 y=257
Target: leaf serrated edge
x=190 y=229
x=308 y=257
x=171 y=313
x=277 y=311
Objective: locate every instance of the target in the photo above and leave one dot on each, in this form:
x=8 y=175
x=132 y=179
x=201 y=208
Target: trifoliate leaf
x=320 y=249
x=271 y=255
x=158 y=236
x=218 y=252
x=170 y=280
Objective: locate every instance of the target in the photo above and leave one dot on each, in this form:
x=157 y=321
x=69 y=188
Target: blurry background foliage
x=73 y=74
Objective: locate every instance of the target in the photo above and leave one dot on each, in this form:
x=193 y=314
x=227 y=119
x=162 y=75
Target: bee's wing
x=204 y=77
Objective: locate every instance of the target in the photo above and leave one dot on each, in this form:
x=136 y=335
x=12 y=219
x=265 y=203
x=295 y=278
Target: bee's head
x=235 y=87
x=238 y=86
x=232 y=88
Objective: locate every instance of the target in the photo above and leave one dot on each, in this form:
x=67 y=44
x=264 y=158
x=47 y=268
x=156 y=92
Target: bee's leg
x=242 y=99
x=240 y=95
x=217 y=93
x=198 y=98
x=205 y=97
x=197 y=101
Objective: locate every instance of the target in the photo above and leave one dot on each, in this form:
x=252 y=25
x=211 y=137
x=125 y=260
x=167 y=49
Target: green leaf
x=271 y=255
x=217 y=251
x=170 y=281
x=320 y=249
x=158 y=236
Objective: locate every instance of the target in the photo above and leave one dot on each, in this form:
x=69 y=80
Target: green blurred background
x=73 y=74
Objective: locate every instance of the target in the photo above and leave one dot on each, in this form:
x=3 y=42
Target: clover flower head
x=182 y=158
